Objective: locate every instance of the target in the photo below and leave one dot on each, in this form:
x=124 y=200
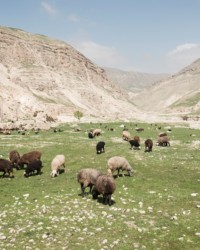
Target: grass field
x=157 y=208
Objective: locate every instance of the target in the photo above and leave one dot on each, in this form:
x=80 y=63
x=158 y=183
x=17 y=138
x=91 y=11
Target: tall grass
x=157 y=208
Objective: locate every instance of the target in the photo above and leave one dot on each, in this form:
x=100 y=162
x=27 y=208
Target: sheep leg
x=83 y=190
x=109 y=199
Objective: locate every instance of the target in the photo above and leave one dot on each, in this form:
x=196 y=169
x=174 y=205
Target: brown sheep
x=106 y=186
x=14 y=157
x=148 y=145
x=6 y=167
x=29 y=157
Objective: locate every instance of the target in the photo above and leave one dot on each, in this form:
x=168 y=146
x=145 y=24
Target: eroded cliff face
x=41 y=77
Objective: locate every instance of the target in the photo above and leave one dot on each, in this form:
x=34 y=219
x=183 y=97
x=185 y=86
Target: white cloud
x=48 y=8
x=99 y=54
x=73 y=18
x=183 y=48
x=182 y=56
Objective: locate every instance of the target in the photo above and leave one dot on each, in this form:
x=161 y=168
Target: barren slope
x=41 y=77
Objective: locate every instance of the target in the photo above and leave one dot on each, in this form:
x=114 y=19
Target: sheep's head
x=54 y=173
x=109 y=172
x=130 y=170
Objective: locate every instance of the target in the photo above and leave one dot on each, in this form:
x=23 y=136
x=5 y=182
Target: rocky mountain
x=43 y=79
x=133 y=81
x=177 y=94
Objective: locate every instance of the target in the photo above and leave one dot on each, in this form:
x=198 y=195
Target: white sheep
x=57 y=162
x=118 y=163
x=126 y=135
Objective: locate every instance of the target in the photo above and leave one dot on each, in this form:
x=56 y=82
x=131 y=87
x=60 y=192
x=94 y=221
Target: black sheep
x=100 y=147
x=90 y=135
x=6 y=167
x=134 y=144
x=32 y=166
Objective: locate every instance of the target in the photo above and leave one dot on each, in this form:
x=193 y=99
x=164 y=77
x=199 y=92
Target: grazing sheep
x=29 y=157
x=90 y=135
x=100 y=147
x=134 y=144
x=6 y=167
x=106 y=186
x=139 y=129
x=148 y=145
x=96 y=132
x=32 y=166
x=14 y=157
x=126 y=135
x=57 y=162
x=162 y=134
x=87 y=178
x=136 y=138
x=118 y=163
x=163 y=141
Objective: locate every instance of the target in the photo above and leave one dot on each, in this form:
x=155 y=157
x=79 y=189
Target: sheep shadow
x=115 y=176
x=101 y=200
x=85 y=194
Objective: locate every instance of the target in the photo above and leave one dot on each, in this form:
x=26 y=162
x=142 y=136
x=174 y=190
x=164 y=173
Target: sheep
x=96 y=132
x=126 y=135
x=90 y=135
x=118 y=163
x=14 y=157
x=148 y=145
x=100 y=147
x=6 y=167
x=106 y=186
x=139 y=129
x=162 y=134
x=163 y=141
x=87 y=178
x=32 y=166
x=136 y=138
x=29 y=157
x=57 y=162
x=134 y=144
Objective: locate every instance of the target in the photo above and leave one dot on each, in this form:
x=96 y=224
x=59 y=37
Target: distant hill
x=179 y=93
x=132 y=80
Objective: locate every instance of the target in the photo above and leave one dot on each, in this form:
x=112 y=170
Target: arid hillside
x=45 y=79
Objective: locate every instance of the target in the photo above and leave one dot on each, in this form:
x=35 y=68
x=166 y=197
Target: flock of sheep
x=98 y=182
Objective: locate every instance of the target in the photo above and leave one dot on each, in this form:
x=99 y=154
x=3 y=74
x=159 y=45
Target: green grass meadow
x=157 y=208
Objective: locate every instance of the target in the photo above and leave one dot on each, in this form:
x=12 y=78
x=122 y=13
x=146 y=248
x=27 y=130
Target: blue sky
x=152 y=36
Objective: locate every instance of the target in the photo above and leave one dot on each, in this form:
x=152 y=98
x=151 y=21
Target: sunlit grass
x=157 y=208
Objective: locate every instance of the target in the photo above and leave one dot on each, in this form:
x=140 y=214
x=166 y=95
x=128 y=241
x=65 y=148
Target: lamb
x=126 y=135
x=100 y=147
x=118 y=163
x=29 y=157
x=148 y=145
x=32 y=166
x=6 y=167
x=87 y=178
x=163 y=141
x=106 y=186
x=14 y=157
x=134 y=144
x=57 y=162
